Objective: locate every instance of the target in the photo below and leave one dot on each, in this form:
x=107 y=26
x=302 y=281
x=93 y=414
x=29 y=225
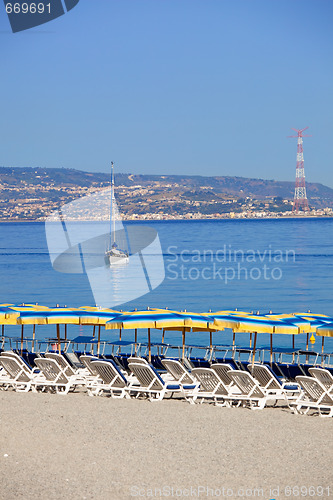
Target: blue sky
x=207 y=87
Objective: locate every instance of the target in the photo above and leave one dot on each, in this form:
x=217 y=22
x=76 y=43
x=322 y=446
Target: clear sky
x=207 y=87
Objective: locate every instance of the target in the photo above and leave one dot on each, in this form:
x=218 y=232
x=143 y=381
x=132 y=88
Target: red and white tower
x=300 y=198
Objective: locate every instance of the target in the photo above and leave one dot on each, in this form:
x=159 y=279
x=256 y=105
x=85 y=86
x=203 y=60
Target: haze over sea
x=252 y=265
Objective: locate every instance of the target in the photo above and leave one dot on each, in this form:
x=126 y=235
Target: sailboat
x=114 y=255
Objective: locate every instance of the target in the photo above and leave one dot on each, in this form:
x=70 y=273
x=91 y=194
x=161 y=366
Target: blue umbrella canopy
x=145 y=319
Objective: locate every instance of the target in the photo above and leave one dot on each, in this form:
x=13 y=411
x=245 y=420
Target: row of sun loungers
x=220 y=383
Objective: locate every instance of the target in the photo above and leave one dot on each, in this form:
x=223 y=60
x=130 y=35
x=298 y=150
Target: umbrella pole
x=233 y=338
x=119 y=334
x=271 y=353
x=22 y=330
x=149 y=346
x=254 y=348
x=163 y=332
x=250 y=340
x=307 y=346
x=183 y=340
x=94 y=331
x=33 y=338
x=58 y=337
x=65 y=332
x=135 y=340
x=322 y=350
x=293 y=348
x=99 y=339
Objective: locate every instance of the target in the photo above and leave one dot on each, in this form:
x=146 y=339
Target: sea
x=254 y=265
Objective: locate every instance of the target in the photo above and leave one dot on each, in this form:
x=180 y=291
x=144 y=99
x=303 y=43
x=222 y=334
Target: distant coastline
x=31 y=194
x=197 y=219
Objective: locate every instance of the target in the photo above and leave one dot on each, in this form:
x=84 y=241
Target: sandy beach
x=82 y=447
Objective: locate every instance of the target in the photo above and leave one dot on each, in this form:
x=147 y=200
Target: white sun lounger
x=20 y=376
x=251 y=393
x=5 y=377
x=110 y=379
x=271 y=384
x=324 y=376
x=222 y=370
x=52 y=376
x=86 y=360
x=18 y=358
x=211 y=388
x=151 y=383
x=80 y=373
x=178 y=372
x=313 y=396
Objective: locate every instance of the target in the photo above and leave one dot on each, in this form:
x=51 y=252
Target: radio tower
x=300 y=198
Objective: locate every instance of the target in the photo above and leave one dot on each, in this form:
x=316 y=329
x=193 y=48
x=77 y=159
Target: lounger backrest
x=14 y=368
x=264 y=376
x=222 y=370
x=246 y=384
x=108 y=372
x=324 y=376
x=72 y=357
x=86 y=361
x=18 y=358
x=134 y=359
x=177 y=371
x=314 y=390
x=147 y=376
x=210 y=381
x=62 y=362
x=51 y=370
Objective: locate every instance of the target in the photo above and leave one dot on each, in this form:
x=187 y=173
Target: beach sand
x=81 y=447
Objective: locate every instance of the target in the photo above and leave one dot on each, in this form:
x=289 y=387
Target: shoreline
x=185 y=219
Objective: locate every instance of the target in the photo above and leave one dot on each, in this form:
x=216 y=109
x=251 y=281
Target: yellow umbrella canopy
x=157 y=318
x=262 y=324
x=26 y=312
x=7 y=315
x=325 y=330
x=96 y=315
x=222 y=319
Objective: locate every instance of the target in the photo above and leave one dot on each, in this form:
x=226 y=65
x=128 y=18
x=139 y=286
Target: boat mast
x=112 y=214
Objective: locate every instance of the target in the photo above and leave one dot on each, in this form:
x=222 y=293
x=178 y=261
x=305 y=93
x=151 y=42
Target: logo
x=88 y=236
x=26 y=14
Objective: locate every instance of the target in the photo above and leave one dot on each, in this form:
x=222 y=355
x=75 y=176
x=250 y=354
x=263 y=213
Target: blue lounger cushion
x=291 y=387
x=170 y=387
x=173 y=387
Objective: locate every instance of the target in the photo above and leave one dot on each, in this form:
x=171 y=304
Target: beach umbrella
x=7 y=314
x=324 y=331
x=186 y=321
x=134 y=320
x=263 y=324
x=96 y=315
x=161 y=319
x=29 y=314
x=221 y=319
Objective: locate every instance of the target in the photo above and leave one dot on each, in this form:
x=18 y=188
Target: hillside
x=38 y=191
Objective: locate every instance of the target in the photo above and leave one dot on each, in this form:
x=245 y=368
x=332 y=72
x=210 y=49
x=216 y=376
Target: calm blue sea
x=251 y=265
